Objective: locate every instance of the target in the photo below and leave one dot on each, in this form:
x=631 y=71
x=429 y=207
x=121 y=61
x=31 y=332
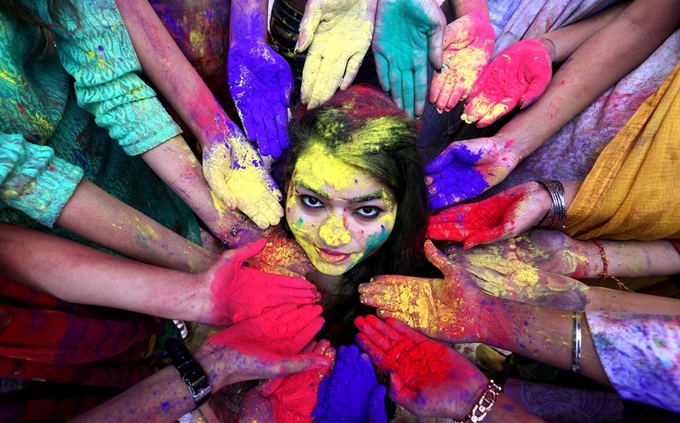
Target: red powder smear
x=419 y=365
x=294 y=400
x=480 y=216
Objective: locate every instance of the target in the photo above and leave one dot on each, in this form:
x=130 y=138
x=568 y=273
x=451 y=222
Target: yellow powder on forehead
x=317 y=167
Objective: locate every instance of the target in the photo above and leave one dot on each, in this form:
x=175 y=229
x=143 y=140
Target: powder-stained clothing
x=640 y=354
x=635 y=179
x=84 y=111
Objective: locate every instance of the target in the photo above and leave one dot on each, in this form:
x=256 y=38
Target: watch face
x=198 y=384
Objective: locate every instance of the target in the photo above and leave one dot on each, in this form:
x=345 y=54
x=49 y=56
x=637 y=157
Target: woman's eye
x=368 y=211
x=311 y=202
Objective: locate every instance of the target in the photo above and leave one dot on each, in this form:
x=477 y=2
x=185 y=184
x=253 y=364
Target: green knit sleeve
x=97 y=51
x=33 y=180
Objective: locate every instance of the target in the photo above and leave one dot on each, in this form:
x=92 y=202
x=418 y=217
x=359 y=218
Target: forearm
x=248 y=21
x=103 y=219
x=597 y=64
x=544 y=334
x=564 y=41
x=174 y=162
x=611 y=300
x=79 y=274
x=505 y=410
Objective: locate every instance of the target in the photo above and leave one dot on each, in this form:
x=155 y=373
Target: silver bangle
x=484 y=404
x=558 y=208
x=576 y=343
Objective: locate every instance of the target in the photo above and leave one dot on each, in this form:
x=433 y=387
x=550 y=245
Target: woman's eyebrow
x=378 y=195
x=320 y=193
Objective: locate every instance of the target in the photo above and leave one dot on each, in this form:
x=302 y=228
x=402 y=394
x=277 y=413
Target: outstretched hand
x=236 y=174
x=468 y=45
x=264 y=347
x=338 y=34
x=510 y=213
x=261 y=82
x=351 y=393
x=519 y=74
x=407 y=32
x=239 y=293
x=466 y=169
x=427 y=378
x=290 y=398
x=449 y=309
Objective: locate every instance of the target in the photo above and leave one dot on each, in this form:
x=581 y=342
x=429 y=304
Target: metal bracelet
x=484 y=404
x=233 y=231
x=576 y=343
x=558 y=208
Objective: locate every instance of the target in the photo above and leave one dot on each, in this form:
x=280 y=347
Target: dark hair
x=363 y=127
x=44 y=46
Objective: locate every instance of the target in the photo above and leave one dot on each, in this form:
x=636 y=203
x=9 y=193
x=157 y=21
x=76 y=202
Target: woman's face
x=338 y=213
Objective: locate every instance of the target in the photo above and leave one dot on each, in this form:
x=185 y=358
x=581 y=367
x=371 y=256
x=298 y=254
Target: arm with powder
x=232 y=167
x=222 y=295
x=604 y=58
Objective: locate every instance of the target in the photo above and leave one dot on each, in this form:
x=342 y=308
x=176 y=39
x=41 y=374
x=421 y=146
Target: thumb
x=308 y=25
x=535 y=89
x=440 y=260
x=249 y=250
x=376 y=405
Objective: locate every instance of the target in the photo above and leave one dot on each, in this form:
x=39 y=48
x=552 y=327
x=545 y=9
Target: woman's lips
x=332 y=256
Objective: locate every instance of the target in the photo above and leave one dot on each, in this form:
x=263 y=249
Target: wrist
x=549 y=46
x=217 y=363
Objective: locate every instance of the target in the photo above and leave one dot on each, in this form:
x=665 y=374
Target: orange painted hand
x=502 y=216
x=236 y=174
x=448 y=309
x=338 y=34
x=518 y=75
x=515 y=280
x=281 y=255
x=468 y=45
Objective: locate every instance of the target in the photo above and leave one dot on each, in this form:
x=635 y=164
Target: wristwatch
x=191 y=372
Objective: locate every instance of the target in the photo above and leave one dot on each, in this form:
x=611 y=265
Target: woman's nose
x=333 y=232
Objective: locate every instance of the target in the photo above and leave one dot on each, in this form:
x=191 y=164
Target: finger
x=408 y=94
x=397 y=390
x=420 y=89
x=395 y=83
x=382 y=69
x=310 y=348
x=382 y=328
x=281 y=122
x=435 y=41
x=455 y=95
x=486 y=237
x=389 y=280
x=377 y=338
x=308 y=25
x=309 y=75
x=496 y=112
x=248 y=121
x=376 y=405
x=377 y=288
x=376 y=353
x=268 y=387
x=249 y=250
x=380 y=302
x=327 y=81
x=442 y=160
x=353 y=65
x=308 y=332
x=535 y=89
x=296 y=364
x=407 y=331
x=438 y=79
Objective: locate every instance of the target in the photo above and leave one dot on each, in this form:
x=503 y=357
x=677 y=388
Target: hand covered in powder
x=239 y=293
x=281 y=255
x=351 y=393
x=290 y=398
x=449 y=309
x=236 y=174
x=264 y=346
x=502 y=216
x=466 y=169
x=468 y=45
x=547 y=250
x=261 y=82
x=407 y=32
x=338 y=34
x=517 y=281
x=519 y=74
x=427 y=378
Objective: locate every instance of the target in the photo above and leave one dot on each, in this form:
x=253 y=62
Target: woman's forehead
x=324 y=173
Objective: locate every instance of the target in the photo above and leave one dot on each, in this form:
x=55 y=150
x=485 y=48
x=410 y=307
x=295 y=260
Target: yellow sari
x=633 y=190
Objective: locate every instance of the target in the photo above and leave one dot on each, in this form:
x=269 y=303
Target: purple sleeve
x=641 y=355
